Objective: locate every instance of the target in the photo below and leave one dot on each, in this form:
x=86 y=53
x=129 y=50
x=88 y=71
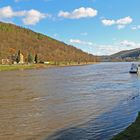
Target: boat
x=134 y=68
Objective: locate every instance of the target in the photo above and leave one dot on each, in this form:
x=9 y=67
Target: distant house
x=6 y=61
x=14 y=59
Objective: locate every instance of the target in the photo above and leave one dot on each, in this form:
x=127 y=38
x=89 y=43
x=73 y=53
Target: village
x=19 y=59
x=15 y=59
x=20 y=62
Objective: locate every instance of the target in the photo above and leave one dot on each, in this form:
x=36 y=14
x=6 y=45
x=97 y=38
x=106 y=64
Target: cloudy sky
x=100 y=27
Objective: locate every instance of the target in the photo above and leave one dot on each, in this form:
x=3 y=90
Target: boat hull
x=133 y=72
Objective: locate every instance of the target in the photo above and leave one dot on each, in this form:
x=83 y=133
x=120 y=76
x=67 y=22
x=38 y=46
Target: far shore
x=130 y=133
x=37 y=66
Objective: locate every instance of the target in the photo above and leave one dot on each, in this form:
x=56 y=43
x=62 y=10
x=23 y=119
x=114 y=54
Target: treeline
x=14 y=38
x=19 y=58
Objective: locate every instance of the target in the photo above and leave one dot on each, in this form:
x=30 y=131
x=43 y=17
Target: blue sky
x=96 y=26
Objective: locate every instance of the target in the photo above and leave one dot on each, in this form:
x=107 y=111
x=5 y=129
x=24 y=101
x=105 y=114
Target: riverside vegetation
x=131 y=133
x=37 y=66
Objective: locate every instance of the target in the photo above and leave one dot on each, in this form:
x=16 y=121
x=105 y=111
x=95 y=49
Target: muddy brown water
x=92 y=102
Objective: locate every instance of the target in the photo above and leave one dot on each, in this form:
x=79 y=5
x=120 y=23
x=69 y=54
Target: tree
x=36 y=58
x=18 y=57
x=30 y=58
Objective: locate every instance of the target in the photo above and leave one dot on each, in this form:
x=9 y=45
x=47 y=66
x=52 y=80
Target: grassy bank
x=24 y=67
x=15 y=67
x=131 y=133
x=36 y=66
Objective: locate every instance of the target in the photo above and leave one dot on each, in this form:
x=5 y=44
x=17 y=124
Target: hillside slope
x=14 y=38
x=127 y=55
x=134 y=53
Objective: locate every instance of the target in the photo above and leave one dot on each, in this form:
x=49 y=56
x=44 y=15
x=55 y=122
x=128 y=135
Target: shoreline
x=38 y=66
x=132 y=132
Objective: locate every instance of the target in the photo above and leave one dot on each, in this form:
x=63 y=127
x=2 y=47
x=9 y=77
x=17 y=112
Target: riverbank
x=130 y=133
x=36 y=66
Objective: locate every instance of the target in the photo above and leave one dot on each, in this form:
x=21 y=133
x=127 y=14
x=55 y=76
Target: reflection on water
x=71 y=103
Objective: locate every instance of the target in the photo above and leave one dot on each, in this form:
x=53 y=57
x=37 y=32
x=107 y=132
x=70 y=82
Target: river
x=91 y=102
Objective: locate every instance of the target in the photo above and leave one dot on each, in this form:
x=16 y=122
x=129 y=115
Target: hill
x=127 y=55
x=134 y=53
x=14 y=38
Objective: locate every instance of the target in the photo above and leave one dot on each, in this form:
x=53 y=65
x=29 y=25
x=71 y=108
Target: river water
x=92 y=102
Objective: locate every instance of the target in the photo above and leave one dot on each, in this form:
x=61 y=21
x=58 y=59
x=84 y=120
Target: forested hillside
x=14 y=38
x=134 y=53
x=127 y=55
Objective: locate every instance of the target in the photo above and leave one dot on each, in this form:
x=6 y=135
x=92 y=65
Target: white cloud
x=30 y=17
x=77 y=41
x=135 y=27
x=121 y=23
x=105 y=49
x=96 y=49
x=7 y=12
x=108 y=22
x=130 y=44
x=124 y=21
x=108 y=49
x=78 y=13
x=121 y=26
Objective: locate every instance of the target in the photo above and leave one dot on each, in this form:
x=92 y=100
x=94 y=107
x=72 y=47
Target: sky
x=99 y=27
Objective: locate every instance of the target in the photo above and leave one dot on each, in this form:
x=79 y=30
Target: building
x=17 y=58
x=21 y=59
x=5 y=61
